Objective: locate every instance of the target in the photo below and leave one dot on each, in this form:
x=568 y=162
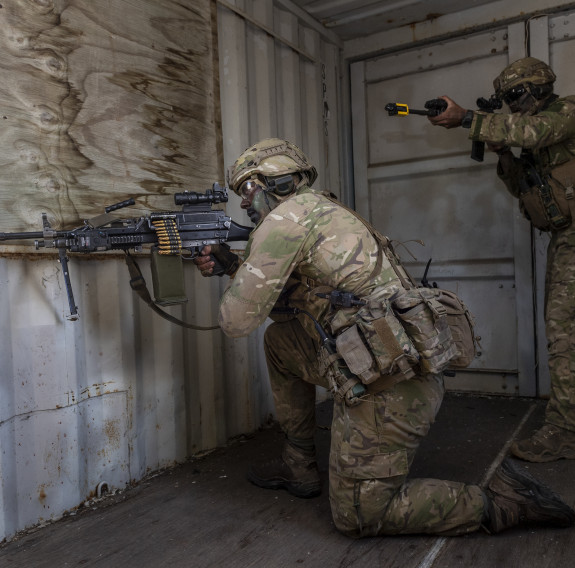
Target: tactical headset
x=282 y=186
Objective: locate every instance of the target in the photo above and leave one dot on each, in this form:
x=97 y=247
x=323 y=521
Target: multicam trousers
x=560 y=327
x=372 y=446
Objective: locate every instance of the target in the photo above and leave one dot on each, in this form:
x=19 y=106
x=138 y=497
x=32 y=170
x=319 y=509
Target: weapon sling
x=138 y=285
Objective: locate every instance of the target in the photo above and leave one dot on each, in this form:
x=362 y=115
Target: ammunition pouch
x=344 y=387
x=462 y=326
x=420 y=329
x=389 y=339
x=440 y=326
x=550 y=205
x=374 y=343
x=425 y=321
x=168 y=278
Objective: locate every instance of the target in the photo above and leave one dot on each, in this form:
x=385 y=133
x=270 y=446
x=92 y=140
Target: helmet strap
x=527 y=103
x=542 y=97
x=269 y=196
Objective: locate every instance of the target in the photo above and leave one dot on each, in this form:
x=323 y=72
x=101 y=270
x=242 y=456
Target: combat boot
x=296 y=471
x=515 y=497
x=549 y=443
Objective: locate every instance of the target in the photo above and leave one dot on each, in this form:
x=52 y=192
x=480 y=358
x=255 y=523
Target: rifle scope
x=218 y=194
x=490 y=104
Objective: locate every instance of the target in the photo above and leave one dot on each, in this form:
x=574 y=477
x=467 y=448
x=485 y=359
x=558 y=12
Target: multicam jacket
x=548 y=136
x=306 y=238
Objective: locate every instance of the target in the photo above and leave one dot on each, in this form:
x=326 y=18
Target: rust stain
x=42 y=495
x=428 y=18
x=112 y=432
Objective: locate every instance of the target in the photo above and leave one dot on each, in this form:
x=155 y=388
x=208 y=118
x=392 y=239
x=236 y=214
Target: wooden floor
x=205 y=514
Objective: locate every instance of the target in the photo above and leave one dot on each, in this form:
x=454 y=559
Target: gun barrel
x=20 y=236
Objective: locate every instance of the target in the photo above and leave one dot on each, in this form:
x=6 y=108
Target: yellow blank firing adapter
x=394 y=109
x=432 y=108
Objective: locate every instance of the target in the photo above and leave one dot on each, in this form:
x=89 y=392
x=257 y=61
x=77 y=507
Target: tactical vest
x=546 y=194
x=390 y=338
x=416 y=329
x=548 y=200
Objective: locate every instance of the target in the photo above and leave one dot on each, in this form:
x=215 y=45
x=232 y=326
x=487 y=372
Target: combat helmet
x=271 y=157
x=528 y=70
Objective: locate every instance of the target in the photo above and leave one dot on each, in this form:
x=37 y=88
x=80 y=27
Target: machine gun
x=176 y=234
x=433 y=107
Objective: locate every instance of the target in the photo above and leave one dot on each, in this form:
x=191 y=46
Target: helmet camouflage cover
x=270 y=157
x=522 y=71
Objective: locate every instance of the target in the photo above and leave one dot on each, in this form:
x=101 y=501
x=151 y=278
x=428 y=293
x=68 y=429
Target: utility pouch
x=346 y=389
x=546 y=206
x=531 y=207
x=357 y=356
x=424 y=318
x=168 y=278
x=462 y=326
x=550 y=206
x=561 y=180
x=377 y=345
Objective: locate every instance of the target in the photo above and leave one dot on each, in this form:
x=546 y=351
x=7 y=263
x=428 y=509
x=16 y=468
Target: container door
x=417 y=184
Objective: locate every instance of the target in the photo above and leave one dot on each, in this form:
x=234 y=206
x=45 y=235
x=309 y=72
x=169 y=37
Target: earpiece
x=541 y=91
x=281 y=186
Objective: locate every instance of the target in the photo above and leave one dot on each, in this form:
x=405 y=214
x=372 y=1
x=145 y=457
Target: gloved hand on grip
x=217 y=260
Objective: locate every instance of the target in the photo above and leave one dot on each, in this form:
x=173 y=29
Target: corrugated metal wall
x=121 y=392
x=279 y=77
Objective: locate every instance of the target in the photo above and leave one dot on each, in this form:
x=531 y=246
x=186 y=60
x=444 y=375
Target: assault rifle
x=433 y=107
x=171 y=234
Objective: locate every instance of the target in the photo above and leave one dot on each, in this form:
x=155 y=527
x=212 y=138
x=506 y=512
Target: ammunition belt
x=169 y=241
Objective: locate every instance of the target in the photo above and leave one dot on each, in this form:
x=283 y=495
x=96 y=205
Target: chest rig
x=546 y=188
x=390 y=335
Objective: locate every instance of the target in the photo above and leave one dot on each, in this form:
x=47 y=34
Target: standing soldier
x=542 y=126
x=306 y=242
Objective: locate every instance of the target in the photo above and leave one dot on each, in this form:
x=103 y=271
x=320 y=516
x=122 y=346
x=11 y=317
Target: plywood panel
x=101 y=100
x=144 y=120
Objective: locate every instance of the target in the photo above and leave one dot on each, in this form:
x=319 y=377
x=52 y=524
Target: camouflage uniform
x=548 y=137
x=309 y=241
